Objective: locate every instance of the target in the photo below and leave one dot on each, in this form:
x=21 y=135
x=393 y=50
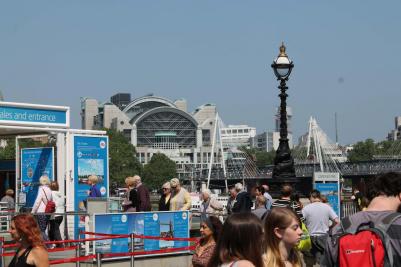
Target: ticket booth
x=70 y=158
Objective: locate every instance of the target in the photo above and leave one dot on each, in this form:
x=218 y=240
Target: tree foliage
x=8 y=152
x=261 y=158
x=159 y=170
x=368 y=150
x=123 y=161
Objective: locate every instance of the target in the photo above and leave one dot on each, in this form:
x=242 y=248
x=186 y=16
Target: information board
x=90 y=158
x=35 y=162
x=330 y=191
x=329 y=186
x=158 y=223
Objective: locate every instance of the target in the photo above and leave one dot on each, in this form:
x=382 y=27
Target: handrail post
x=3 y=260
x=98 y=259
x=78 y=255
x=132 y=250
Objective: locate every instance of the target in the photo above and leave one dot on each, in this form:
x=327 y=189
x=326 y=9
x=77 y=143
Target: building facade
x=158 y=125
x=237 y=136
x=395 y=134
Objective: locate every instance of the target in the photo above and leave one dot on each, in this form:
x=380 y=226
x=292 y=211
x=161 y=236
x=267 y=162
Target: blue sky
x=346 y=56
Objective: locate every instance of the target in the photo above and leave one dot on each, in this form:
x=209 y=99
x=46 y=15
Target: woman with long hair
x=31 y=252
x=240 y=243
x=210 y=230
x=282 y=233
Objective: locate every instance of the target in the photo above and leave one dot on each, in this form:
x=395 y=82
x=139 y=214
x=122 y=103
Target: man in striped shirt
x=286 y=202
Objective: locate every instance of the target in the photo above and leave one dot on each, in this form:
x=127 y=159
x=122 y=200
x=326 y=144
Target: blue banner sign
x=27 y=115
x=90 y=158
x=35 y=162
x=158 y=224
x=330 y=190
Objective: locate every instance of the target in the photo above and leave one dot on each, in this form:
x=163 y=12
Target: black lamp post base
x=283 y=167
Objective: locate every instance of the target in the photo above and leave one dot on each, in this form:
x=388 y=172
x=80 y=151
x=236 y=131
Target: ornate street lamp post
x=283 y=162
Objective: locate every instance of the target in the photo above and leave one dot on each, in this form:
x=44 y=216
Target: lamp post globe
x=283 y=161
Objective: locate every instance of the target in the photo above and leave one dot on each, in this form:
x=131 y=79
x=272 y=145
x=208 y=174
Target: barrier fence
x=76 y=245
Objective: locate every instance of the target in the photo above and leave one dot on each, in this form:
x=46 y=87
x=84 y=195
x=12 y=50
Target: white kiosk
x=328 y=183
x=75 y=155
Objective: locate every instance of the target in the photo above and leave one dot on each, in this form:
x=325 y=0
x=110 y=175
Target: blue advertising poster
x=35 y=162
x=90 y=158
x=160 y=224
x=330 y=190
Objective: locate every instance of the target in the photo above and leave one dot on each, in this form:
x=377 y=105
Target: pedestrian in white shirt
x=57 y=218
x=39 y=207
x=317 y=219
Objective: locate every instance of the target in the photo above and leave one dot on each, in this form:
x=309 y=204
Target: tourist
x=210 y=205
x=164 y=202
x=282 y=234
x=385 y=196
x=210 y=230
x=240 y=243
x=317 y=219
x=285 y=201
x=260 y=207
x=296 y=199
x=31 y=251
x=181 y=200
x=143 y=195
x=9 y=200
x=231 y=200
x=357 y=198
x=57 y=218
x=268 y=197
x=243 y=201
x=258 y=190
x=130 y=203
x=39 y=207
x=93 y=190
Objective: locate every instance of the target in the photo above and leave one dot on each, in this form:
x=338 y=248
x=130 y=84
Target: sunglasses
x=165 y=188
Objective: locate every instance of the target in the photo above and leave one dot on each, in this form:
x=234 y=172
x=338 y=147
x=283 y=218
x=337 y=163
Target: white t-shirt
x=317 y=217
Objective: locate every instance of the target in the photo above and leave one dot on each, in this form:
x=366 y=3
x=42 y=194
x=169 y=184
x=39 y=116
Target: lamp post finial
x=282 y=50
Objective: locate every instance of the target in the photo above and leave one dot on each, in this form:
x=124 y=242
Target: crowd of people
x=270 y=235
x=173 y=198
x=267 y=236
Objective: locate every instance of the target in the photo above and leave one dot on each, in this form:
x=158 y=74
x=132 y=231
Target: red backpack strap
x=44 y=192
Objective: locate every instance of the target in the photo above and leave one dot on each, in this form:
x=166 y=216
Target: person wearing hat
x=181 y=199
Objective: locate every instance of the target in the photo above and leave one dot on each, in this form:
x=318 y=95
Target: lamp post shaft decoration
x=283 y=161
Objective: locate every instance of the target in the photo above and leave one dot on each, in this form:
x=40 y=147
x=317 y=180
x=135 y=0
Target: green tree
x=264 y=158
x=159 y=170
x=123 y=161
x=261 y=158
x=364 y=150
x=8 y=152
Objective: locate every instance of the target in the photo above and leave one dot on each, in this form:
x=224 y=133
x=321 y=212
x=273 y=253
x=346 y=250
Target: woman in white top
x=55 y=220
x=39 y=207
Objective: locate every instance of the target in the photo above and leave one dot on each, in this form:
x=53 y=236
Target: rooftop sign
x=34 y=115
